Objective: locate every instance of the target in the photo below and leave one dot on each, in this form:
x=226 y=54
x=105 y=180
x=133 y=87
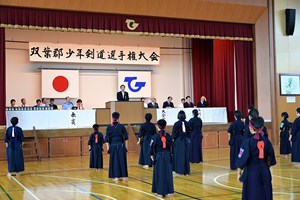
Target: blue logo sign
x=138 y=85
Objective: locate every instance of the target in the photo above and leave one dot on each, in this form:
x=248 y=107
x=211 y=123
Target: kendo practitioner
x=236 y=130
x=196 y=138
x=14 y=140
x=255 y=157
x=147 y=131
x=253 y=114
x=285 y=144
x=161 y=148
x=296 y=139
x=96 y=148
x=116 y=138
x=181 y=135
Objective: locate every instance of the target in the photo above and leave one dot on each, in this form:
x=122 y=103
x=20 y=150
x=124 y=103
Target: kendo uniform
x=116 y=135
x=14 y=137
x=255 y=157
x=161 y=147
x=296 y=140
x=196 y=140
x=181 y=135
x=285 y=144
x=96 y=157
x=146 y=133
x=236 y=130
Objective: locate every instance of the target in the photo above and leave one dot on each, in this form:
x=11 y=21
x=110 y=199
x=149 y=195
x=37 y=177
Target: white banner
x=138 y=84
x=75 y=53
x=60 y=83
x=208 y=115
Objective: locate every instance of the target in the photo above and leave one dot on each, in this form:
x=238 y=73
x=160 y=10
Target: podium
x=131 y=112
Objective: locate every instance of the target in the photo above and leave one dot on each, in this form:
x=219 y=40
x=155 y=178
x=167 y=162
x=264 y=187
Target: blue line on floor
x=83 y=190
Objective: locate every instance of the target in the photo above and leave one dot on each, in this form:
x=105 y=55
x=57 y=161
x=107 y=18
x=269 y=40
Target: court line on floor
x=80 y=179
x=25 y=188
x=186 y=195
x=5 y=192
x=83 y=190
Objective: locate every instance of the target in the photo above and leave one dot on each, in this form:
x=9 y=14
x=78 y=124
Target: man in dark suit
x=202 y=103
x=122 y=95
x=188 y=103
x=153 y=103
x=52 y=105
x=168 y=103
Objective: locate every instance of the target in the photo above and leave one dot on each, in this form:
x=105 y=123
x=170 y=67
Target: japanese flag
x=60 y=83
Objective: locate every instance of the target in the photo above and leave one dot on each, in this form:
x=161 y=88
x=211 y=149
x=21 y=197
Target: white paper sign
x=291 y=99
x=75 y=53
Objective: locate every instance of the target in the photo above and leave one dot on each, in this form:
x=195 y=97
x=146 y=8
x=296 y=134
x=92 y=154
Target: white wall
x=287 y=47
x=96 y=87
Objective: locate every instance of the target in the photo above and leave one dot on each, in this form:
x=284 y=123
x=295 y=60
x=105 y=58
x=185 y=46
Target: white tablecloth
x=53 y=119
x=208 y=115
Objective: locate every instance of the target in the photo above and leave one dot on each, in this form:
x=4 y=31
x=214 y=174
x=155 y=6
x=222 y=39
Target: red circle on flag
x=60 y=83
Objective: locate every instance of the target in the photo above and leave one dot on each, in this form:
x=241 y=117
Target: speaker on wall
x=290 y=19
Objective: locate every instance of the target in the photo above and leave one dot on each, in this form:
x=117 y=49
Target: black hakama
x=285 y=144
x=146 y=133
x=256 y=178
x=181 y=152
x=196 y=140
x=116 y=135
x=296 y=140
x=162 y=182
x=96 y=157
x=236 y=131
x=14 y=150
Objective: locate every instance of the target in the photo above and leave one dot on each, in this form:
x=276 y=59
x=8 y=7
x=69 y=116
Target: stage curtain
x=2 y=77
x=202 y=58
x=223 y=86
x=43 y=19
x=244 y=75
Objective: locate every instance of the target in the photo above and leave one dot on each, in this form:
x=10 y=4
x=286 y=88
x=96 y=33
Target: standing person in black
x=147 y=131
x=188 y=103
x=168 y=103
x=236 y=130
x=196 y=138
x=285 y=144
x=250 y=107
x=253 y=114
x=122 y=95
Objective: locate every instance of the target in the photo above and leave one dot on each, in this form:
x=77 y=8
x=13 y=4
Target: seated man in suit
x=122 y=95
x=202 y=103
x=168 y=103
x=52 y=105
x=68 y=105
x=188 y=103
x=153 y=103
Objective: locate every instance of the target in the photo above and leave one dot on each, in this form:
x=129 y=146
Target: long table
x=52 y=119
x=208 y=115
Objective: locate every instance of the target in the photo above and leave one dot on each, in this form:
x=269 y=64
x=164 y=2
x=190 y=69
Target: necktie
x=183 y=127
x=13 y=132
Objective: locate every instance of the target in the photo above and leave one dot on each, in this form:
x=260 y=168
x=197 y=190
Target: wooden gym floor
x=70 y=178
